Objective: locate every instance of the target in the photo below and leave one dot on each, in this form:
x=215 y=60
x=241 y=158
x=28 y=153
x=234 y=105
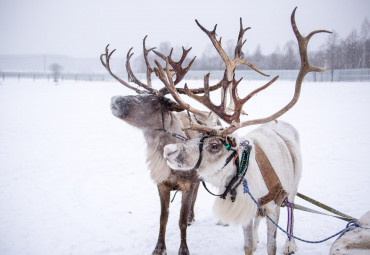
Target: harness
x=241 y=167
x=276 y=191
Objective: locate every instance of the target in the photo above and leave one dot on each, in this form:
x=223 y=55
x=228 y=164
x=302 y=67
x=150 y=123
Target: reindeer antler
x=106 y=63
x=304 y=69
x=177 y=68
x=228 y=81
x=233 y=118
x=167 y=79
x=230 y=65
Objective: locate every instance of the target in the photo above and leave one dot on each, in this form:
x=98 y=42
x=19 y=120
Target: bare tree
x=290 y=56
x=257 y=57
x=56 y=69
x=365 y=43
x=274 y=60
x=332 y=53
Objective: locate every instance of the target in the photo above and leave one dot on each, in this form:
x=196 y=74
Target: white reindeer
x=279 y=141
x=275 y=162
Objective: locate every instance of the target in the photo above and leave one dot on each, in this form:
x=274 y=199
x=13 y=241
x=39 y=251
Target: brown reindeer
x=158 y=117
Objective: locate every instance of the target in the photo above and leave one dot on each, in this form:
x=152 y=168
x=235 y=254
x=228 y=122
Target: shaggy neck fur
x=157 y=139
x=243 y=209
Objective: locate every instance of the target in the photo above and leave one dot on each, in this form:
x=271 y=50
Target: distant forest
x=351 y=52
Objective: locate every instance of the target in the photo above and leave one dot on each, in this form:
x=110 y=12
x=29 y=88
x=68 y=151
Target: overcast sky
x=82 y=28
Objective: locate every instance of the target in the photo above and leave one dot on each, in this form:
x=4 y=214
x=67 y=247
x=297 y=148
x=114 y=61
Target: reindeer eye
x=213 y=147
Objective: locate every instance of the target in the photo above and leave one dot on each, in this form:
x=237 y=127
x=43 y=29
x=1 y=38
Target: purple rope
x=289 y=227
x=351 y=225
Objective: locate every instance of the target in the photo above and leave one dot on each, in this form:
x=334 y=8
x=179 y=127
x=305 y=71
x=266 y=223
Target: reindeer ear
x=172 y=106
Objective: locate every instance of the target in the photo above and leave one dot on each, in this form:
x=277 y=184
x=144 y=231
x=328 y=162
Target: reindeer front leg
x=186 y=203
x=194 y=198
x=164 y=194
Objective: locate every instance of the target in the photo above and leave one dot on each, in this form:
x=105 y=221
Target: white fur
x=280 y=143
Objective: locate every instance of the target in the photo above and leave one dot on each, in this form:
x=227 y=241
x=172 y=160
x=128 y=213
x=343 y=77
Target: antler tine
x=234 y=117
x=106 y=64
x=167 y=78
x=177 y=65
x=149 y=70
x=239 y=103
x=254 y=92
x=240 y=42
x=304 y=69
x=217 y=44
x=132 y=77
x=230 y=64
x=303 y=42
x=181 y=72
x=239 y=55
x=206 y=101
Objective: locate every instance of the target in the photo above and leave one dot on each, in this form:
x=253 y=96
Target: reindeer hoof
x=183 y=249
x=159 y=250
x=155 y=252
x=290 y=248
x=248 y=250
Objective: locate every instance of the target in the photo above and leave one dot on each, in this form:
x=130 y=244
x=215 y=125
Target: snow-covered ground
x=73 y=178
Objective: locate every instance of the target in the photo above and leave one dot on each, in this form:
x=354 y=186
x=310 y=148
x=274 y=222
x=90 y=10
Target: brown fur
x=150 y=114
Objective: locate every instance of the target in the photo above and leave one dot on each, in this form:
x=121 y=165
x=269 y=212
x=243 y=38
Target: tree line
x=351 y=52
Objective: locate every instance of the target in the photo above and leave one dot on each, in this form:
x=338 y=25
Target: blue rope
x=178 y=136
x=350 y=226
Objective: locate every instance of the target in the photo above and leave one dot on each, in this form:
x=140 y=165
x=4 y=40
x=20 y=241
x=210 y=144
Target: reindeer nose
x=120 y=106
x=171 y=151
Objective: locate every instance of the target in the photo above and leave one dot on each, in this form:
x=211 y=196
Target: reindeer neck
x=156 y=140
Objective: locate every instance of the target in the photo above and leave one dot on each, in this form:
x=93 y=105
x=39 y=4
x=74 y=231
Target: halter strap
x=201 y=143
x=241 y=170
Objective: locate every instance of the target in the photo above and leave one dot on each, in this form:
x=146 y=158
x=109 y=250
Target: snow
x=73 y=178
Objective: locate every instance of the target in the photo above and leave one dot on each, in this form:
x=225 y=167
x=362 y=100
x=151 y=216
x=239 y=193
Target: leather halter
x=241 y=168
